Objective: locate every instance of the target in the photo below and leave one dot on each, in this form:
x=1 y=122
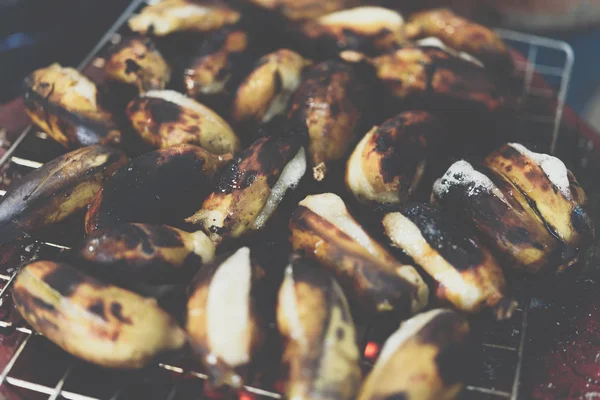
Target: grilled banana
x=388 y=163
x=320 y=355
x=265 y=93
x=461 y=35
x=56 y=190
x=170 y=16
x=97 y=322
x=467 y=274
x=497 y=212
x=162 y=186
x=136 y=61
x=327 y=108
x=215 y=65
x=64 y=104
x=304 y=9
x=323 y=229
x=368 y=29
x=223 y=310
x=424 y=360
x=165 y=118
x=435 y=79
x=145 y=253
x=250 y=189
x=551 y=190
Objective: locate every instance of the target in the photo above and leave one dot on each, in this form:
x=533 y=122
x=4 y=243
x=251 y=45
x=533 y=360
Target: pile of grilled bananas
x=288 y=174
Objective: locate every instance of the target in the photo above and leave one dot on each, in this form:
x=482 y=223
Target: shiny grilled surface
x=303 y=9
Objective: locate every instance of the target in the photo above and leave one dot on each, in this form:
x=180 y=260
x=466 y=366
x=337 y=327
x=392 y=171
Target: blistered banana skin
x=56 y=190
x=320 y=355
x=97 y=322
x=158 y=187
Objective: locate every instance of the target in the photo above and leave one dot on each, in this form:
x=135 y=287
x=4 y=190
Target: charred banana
x=424 y=359
x=551 y=190
x=165 y=118
x=170 y=16
x=497 y=212
x=146 y=253
x=136 y=61
x=467 y=274
x=162 y=186
x=97 y=322
x=461 y=35
x=251 y=187
x=304 y=9
x=388 y=163
x=367 y=29
x=56 y=190
x=265 y=93
x=323 y=229
x=64 y=104
x=327 y=108
x=321 y=355
x=223 y=310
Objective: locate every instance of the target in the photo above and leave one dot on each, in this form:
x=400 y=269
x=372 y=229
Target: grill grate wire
x=549 y=59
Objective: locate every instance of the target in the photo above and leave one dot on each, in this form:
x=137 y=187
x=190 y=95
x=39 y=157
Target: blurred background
x=34 y=33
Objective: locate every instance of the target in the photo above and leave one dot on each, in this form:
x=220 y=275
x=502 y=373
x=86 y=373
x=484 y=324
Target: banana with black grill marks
x=224 y=311
x=56 y=190
x=388 y=163
x=425 y=360
x=377 y=283
x=467 y=274
x=320 y=355
x=165 y=118
x=500 y=214
x=551 y=190
x=162 y=186
x=97 y=322
x=136 y=61
x=249 y=190
x=64 y=104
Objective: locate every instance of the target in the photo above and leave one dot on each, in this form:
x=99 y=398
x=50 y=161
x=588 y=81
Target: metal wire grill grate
x=37 y=366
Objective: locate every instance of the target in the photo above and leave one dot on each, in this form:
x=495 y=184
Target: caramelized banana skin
x=321 y=356
x=162 y=186
x=56 y=190
x=70 y=116
x=424 y=359
x=142 y=253
x=328 y=108
x=97 y=322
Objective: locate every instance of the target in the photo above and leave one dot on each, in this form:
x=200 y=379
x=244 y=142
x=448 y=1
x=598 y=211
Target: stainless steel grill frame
x=548 y=59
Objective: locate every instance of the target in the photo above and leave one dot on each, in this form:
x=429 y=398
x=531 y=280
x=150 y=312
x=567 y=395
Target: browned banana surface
x=249 y=190
x=462 y=35
x=425 y=359
x=136 y=61
x=162 y=186
x=494 y=208
x=216 y=64
x=223 y=311
x=97 y=322
x=144 y=253
x=368 y=29
x=170 y=16
x=56 y=190
x=266 y=91
x=550 y=189
x=321 y=355
x=165 y=118
x=389 y=161
x=327 y=108
x=304 y=9
x=467 y=274
x=377 y=283
x=64 y=104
